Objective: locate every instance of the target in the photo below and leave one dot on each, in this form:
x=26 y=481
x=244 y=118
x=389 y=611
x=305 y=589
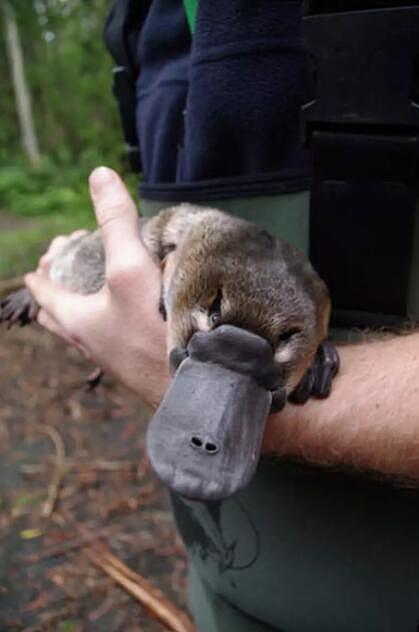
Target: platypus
x=247 y=321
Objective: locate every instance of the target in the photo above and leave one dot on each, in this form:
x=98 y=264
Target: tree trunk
x=22 y=95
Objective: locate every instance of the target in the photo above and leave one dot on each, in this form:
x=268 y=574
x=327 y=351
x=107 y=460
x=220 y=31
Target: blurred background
x=74 y=477
x=58 y=120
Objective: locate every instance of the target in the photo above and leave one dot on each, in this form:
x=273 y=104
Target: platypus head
x=246 y=314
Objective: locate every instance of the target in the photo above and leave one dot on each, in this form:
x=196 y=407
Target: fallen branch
x=59 y=469
x=155 y=602
x=102 y=464
x=70 y=463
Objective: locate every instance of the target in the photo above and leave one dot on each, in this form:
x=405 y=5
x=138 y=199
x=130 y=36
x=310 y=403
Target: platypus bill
x=247 y=320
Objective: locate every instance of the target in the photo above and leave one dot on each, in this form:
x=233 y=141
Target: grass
x=45 y=202
x=21 y=247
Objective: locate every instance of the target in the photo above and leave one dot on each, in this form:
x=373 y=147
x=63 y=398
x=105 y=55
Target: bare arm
x=371 y=419
x=119 y=327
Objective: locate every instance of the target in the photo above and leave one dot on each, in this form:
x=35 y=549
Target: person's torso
x=302 y=549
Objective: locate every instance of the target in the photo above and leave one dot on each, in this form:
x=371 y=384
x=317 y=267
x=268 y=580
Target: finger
x=43 y=264
x=54 y=298
x=117 y=217
x=81 y=232
x=47 y=322
x=55 y=246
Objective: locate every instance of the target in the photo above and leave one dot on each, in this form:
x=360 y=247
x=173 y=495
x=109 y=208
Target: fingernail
x=101 y=177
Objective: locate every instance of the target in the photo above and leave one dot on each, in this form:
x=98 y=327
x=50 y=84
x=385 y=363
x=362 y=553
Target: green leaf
x=28 y=499
x=30 y=534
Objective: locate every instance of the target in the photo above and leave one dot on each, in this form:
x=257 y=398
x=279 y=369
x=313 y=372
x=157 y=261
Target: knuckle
x=78 y=233
x=44 y=263
x=58 y=241
x=123 y=276
x=41 y=317
x=111 y=210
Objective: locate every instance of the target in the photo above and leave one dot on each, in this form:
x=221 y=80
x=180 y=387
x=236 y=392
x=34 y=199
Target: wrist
x=369 y=422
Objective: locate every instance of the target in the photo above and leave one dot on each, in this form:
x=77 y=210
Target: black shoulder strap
x=121 y=33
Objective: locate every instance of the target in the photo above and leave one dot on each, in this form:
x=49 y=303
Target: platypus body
x=247 y=320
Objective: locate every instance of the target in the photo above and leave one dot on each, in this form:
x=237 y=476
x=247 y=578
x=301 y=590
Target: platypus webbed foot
x=317 y=380
x=18 y=307
x=279 y=399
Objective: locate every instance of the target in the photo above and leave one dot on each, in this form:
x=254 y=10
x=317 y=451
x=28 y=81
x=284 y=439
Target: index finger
x=117 y=218
x=56 y=299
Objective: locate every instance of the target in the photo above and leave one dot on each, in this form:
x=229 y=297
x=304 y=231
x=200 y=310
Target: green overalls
x=303 y=549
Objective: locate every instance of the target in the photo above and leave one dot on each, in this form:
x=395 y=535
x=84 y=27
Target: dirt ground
x=107 y=496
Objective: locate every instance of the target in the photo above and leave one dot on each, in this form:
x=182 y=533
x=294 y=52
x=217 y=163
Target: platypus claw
x=317 y=380
x=279 y=399
x=18 y=307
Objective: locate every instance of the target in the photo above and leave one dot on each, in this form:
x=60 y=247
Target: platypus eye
x=286 y=336
x=215 y=309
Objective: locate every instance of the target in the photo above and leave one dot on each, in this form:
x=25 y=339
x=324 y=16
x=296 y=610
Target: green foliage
x=68 y=626
x=49 y=200
x=46 y=202
x=48 y=190
x=69 y=75
x=21 y=247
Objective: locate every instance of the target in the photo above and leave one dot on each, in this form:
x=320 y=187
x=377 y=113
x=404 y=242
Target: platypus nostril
x=196 y=442
x=211 y=448
x=200 y=444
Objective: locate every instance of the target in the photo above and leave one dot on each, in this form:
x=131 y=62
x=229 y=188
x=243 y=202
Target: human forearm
x=369 y=422
x=371 y=419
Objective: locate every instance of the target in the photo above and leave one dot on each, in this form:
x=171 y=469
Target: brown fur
x=266 y=285
x=212 y=261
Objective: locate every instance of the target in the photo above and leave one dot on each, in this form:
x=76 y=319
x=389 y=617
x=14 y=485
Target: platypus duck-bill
x=247 y=320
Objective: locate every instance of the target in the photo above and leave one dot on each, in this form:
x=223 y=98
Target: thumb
x=117 y=218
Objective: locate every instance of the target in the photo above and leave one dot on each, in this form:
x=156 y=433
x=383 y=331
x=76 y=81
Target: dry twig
x=71 y=545
x=59 y=469
x=71 y=463
x=155 y=602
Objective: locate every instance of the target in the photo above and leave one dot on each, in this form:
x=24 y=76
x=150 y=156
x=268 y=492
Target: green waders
x=303 y=549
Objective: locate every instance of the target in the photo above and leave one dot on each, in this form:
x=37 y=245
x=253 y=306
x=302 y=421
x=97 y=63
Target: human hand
x=119 y=328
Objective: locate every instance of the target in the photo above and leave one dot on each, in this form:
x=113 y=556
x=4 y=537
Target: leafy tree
x=68 y=72
x=69 y=75
x=20 y=86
